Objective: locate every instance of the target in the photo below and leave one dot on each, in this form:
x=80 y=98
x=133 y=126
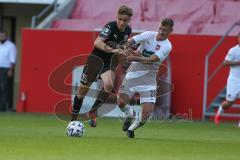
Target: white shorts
x=233 y=90
x=146 y=90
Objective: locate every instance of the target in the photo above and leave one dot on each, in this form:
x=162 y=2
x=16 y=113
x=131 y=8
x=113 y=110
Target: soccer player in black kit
x=101 y=64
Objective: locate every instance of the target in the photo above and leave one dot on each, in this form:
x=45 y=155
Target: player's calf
x=225 y=105
x=77 y=103
x=130 y=114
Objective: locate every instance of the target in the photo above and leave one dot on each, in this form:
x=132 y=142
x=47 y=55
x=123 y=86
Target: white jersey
x=233 y=82
x=140 y=77
x=8 y=54
x=149 y=46
x=233 y=56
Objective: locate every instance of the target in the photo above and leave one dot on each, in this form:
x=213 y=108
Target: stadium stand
x=78 y=24
x=226 y=11
x=87 y=9
x=205 y=17
x=191 y=17
x=215 y=29
x=179 y=10
x=91 y=24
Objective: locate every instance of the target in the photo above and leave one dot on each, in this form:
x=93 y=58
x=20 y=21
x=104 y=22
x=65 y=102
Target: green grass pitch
x=43 y=137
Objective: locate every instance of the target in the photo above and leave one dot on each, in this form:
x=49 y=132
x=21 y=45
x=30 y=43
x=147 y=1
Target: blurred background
x=49 y=33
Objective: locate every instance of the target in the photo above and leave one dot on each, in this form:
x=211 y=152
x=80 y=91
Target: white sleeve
x=142 y=37
x=163 y=52
x=230 y=55
x=13 y=54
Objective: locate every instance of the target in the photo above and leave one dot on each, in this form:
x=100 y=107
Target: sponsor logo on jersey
x=146 y=53
x=115 y=36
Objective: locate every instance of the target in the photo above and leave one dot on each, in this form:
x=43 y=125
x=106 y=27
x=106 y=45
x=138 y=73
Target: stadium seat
x=217 y=29
x=179 y=27
x=79 y=24
x=90 y=25
x=87 y=9
x=213 y=17
x=226 y=11
x=179 y=10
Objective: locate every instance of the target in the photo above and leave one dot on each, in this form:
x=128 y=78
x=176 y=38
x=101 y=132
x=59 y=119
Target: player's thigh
x=125 y=90
x=123 y=99
x=91 y=70
x=108 y=78
x=233 y=91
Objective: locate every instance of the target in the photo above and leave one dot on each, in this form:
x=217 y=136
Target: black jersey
x=105 y=61
x=111 y=33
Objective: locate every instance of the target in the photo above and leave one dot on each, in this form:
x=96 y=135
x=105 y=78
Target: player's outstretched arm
x=151 y=59
x=100 y=44
x=231 y=63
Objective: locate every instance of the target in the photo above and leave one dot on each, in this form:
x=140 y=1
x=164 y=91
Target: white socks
x=220 y=110
x=128 y=111
x=134 y=125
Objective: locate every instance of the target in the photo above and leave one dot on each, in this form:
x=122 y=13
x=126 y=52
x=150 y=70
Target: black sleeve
x=129 y=31
x=106 y=31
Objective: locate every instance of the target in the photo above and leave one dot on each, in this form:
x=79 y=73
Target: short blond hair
x=125 y=10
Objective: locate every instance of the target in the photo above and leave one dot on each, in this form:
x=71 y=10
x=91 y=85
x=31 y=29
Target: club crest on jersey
x=106 y=31
x=157 y=47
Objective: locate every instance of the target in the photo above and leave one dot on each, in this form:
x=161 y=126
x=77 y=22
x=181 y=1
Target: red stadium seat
x=226 y=11
x=90 y=25
x=212 y=17
x=179 y=10
x=179 y=27
x=217 y=29
x=106 y=9
x=79 y=24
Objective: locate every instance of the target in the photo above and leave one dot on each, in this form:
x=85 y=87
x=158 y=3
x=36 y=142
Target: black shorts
x=96 y=65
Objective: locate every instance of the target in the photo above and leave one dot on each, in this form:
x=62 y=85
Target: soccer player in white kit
x=232 y=60
x=141 y=75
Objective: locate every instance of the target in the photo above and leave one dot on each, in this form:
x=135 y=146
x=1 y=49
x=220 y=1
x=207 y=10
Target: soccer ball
x=75 y=129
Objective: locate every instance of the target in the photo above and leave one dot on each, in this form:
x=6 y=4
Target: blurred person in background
x=232 y=60
x=8 y=55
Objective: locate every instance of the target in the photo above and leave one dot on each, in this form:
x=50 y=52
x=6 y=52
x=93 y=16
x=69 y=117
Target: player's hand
x=128 y=51
x=122 y=58
x=131 y=57
x=118 y=51
x=136 y=53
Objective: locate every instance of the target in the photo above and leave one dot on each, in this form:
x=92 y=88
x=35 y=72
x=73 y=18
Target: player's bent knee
x=121 y=103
